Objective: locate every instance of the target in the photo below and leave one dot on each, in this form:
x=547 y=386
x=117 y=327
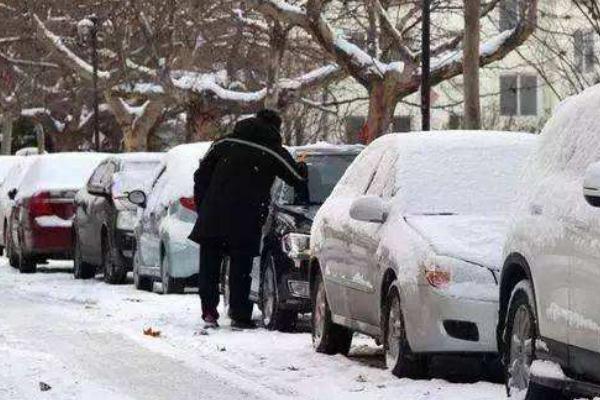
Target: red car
x=40 y=227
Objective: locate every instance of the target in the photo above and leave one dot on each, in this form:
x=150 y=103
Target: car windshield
x=135 y=175
x=461 y=179
x=324 y=172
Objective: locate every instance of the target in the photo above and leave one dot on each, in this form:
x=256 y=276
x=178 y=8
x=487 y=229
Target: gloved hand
x=303 y=169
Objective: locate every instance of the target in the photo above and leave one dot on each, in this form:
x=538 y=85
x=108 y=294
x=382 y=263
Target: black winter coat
x=233 y=185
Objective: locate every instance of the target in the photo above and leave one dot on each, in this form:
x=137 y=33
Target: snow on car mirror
x=368 y=209
x=137 y=197
x=591 y=185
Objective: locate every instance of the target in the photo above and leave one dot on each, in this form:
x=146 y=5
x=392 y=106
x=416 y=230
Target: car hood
x=475 y=238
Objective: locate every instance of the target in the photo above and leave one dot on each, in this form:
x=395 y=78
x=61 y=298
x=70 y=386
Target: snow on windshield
x=134 y=176
x=460 y=173
x=59 y=171
x=177 y=180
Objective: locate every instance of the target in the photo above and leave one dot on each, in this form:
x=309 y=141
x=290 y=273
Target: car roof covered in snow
x=140 y=157
x=59 y=171
x=6 y=163
x=325 y=148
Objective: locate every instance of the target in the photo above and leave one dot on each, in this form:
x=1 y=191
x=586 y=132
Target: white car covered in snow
x=12 y=169
x=168 y=213
x=407 y=249
x=549 y=325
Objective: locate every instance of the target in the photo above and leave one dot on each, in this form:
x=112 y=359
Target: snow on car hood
x=474 y=238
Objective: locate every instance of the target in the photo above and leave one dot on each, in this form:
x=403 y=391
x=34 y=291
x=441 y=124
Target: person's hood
x=475 y=238
x=254 y=130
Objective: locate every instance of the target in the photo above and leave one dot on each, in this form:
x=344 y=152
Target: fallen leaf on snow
x=151 y=332
x=44 y=387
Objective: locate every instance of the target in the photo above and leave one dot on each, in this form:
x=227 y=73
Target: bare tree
x=388 y=65
x=472 y=118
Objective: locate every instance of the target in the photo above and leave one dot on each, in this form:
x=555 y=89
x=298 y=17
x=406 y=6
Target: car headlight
x=126 y=220
x=441 y=272
x=296 y=245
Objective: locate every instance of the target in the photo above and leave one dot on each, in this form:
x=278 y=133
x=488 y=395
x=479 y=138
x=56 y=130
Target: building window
x=354 y=125
x=518 y=95
x=509 y=14
x=402 y=123
x=583 y=43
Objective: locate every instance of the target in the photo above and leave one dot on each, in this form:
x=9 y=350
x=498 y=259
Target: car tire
x=81 y=269
x=327 y=336
x=115 y=272
x=399 y=358
x=273 y=316
x=170 y=285
x=141 y=282
x=520 y=344
x=13 y=260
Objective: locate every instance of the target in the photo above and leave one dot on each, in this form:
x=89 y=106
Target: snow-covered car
x=168 y=212
x=104 y=218
x=12 y=169
x=549 y=320
x=40 y=224
x=407 y=248
x=280 y=280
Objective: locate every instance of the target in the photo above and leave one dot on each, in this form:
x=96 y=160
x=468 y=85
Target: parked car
x=280 y=277
x=12 y=169
x=104 y=218
x=407 y=248
x=40 y=224
x=549 y=320
x=168 y=213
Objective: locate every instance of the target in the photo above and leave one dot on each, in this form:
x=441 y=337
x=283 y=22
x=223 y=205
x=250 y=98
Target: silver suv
x=407 y=249
x=549 y=325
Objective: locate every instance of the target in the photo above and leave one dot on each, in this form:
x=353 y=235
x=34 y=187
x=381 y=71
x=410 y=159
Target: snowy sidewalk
x=85 y=340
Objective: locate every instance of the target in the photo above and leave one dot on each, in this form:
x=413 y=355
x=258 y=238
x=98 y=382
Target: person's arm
x=288 y=170
x=203 y=174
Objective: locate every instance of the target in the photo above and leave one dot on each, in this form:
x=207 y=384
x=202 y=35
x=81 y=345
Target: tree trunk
x=40 y=137
x=7 y=131
x=382 y=105
x=472 y=110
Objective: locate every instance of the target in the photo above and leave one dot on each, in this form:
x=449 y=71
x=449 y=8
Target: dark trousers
x=212 y=254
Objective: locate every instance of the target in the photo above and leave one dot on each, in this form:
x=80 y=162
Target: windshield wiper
x=442 y=214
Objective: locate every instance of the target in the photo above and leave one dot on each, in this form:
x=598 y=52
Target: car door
x=583 y=223
x=541 y=235
x=339 y=262
x=365 y=271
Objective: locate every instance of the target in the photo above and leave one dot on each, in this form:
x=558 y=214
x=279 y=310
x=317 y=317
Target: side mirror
x=12 y=194
x=368 y=209
x=591 y=185
x=137 y=197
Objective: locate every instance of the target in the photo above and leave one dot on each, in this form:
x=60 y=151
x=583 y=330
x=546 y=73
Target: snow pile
x=59 y=171
x=179 y=165
x=53 y=221
x=547 y=369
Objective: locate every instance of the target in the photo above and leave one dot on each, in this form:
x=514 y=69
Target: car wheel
x=27 y=265
x=10 y=252
x=399 y=358
x=327 y=336
x=114 y=271
x=520 y=339
x=141 y=282
x=170 y=285
x=81 y=269
x=273 y=316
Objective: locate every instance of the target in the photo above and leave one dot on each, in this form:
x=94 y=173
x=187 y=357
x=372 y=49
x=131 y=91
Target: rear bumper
x=437 y=323
x=55 y=242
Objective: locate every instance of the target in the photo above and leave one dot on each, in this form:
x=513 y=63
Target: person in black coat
x=233 y=192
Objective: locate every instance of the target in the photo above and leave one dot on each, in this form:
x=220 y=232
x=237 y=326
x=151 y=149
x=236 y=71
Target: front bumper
x=126 y=244
x=293 y=284
x=439 y=323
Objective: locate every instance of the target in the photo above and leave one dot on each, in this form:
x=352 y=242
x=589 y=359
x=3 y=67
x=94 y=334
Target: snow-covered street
x=85 y=340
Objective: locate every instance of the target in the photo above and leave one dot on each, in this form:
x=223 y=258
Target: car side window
x=382 y=182
x=97 y=176
x=361 y=173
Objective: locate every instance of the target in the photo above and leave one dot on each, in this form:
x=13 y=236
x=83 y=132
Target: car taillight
x=188 y=202
x=39 y=205
x=46 y=203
